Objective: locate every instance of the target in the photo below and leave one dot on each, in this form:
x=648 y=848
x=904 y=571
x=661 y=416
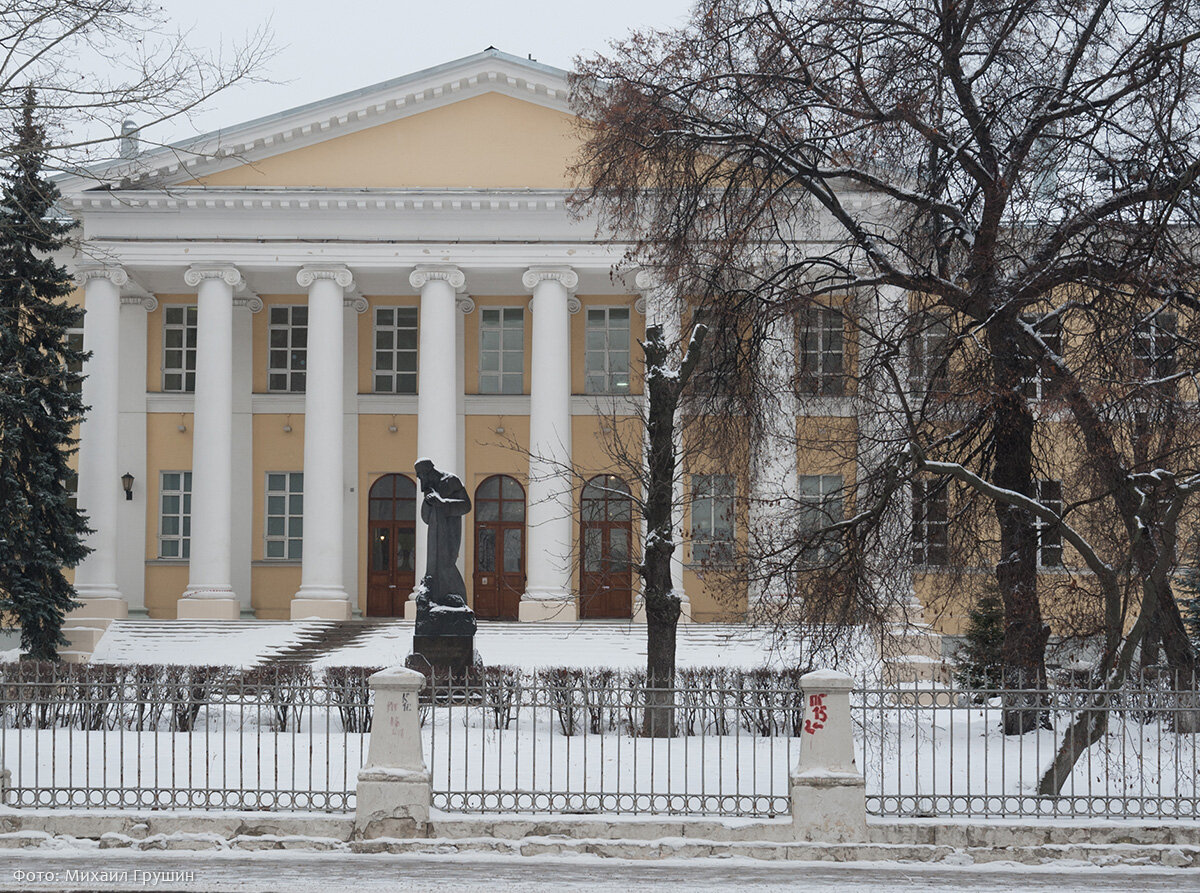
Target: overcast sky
x=331 y=46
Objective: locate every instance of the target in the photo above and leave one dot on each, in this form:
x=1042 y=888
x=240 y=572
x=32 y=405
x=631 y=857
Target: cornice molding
x=426 y=273
x=310 y=273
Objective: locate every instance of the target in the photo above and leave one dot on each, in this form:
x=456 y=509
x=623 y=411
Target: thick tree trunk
x=1025 y=633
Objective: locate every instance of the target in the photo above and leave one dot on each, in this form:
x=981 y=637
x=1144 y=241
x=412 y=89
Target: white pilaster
x=99 y=466
x=354 y=305
x=549 y=525
x=209 y=594
x=245 y=305
x=322 y=593
x=437 y=400
x=465 y=305
x=131 y=448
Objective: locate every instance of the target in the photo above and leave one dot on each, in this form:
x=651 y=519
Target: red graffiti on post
x=819 y=714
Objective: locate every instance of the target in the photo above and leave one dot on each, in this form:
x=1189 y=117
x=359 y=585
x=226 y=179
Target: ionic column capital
x=465 y=304
x=227 y=273
x=339 y=273
x=115 y=273
x=147 y=301
x=425 y=273
x=567 y=277
x=250 y=301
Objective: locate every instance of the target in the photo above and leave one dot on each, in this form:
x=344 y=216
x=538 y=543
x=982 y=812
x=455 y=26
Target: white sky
x=331 y=46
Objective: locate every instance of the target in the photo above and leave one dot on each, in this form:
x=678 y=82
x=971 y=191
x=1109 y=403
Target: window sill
x=276 y=562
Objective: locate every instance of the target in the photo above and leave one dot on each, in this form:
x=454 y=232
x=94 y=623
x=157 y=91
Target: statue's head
x=427 y=474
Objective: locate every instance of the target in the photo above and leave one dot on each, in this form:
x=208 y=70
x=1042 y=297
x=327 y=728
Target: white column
x=131 y=448
x=437 y=400
x=322 y=593
x=354 y=305
x=465 y=305
x=549 y=524
x=774 y=460
x=209 y=594
x=99 y=465
x=661 y=307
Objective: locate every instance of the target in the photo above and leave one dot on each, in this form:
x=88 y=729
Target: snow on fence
x=936 y=750
x=571 y=741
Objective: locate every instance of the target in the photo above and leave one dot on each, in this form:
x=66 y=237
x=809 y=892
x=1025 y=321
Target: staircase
x=910 y=649
x=320 y=638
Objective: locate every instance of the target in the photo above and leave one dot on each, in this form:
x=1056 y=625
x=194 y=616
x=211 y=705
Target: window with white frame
x=822 y=335
x=285 y=515
x=606 y=351
x=1049 y=537
x=395 y=350
x=1037 y=386
x=713 y=502
x=931 y=522
x=179 y=348
x=929 y=352
x=287 y=354
x=1154 y=343
x=501 y=350
x=821 y=504
x=174 y=514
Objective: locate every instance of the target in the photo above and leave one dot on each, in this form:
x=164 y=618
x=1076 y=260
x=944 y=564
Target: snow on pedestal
x=828 y=791
x=394 y=788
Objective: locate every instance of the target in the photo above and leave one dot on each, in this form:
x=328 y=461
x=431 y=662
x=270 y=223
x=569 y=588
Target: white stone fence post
x=394 y=787
x=828 y=792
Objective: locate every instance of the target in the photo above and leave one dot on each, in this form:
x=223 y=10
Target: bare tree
x=97 y=64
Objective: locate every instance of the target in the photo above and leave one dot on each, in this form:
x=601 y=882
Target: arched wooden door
x=605 y=581
x=391 y=545
x=499 y=548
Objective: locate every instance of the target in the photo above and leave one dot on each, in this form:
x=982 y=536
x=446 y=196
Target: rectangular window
x=287 y=355
x=75 y=343
x=1049 y=537
x=395 y=350
x=501 y=350
x=822 y=369
x=175 y=514
x=285 y=515
x=1037 y=386
x=931 y=522
x=179 y=348
x=712 y=518
x=821 y=504
x=1154 y=342
x=929 y=354
x=606 y=354
x=72 y=487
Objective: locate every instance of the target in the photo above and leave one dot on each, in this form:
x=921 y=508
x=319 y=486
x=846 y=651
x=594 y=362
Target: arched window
x=499 y=576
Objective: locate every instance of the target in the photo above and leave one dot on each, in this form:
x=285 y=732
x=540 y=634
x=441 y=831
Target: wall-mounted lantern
x=127 y=483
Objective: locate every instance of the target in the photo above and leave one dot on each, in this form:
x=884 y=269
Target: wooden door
x=605 y=580
x=391 y=545
x=499 y=548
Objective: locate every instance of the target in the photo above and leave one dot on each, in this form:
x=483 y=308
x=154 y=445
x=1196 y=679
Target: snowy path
x=220 y=872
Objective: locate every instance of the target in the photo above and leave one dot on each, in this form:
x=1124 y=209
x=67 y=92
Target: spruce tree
x=41 y=531
x=979 y=662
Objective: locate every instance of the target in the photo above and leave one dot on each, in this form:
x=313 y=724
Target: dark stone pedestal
x=442 y=656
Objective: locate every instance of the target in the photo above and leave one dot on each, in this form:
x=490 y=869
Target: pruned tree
x=1008 y=168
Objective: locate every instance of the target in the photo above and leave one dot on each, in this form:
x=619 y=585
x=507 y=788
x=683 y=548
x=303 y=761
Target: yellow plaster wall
x=487 y=141
x=273 y=583
x=167 y=449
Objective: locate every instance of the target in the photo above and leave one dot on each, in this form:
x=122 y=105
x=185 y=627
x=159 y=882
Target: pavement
x=96 y=870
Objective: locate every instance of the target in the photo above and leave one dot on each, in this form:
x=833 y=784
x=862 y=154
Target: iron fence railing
x=182 y=737
x=940 y=750
x=575 y=742
x=580 y=741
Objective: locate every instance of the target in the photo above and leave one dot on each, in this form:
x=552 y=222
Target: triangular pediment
x=489 y=120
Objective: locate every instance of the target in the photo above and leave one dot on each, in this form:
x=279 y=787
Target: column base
x=539 y=610
x=208 y=609
x=320 y=609
x=830 y=807
x=106 y=607
x=392 y=803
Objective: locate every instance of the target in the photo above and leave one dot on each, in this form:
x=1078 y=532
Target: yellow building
x=285 y=315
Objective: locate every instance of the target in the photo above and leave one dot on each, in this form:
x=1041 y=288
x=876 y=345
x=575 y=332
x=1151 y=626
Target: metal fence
x=940 y=750
x=574 y=741
x=182 y=737
x=577 y=742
